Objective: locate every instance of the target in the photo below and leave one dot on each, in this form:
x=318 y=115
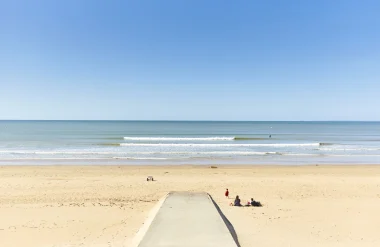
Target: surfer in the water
x=270 y=136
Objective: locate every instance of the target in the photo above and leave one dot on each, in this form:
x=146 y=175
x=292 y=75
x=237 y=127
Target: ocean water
x=188 y=142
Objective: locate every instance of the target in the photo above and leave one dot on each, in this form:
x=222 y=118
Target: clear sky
x=190 y=60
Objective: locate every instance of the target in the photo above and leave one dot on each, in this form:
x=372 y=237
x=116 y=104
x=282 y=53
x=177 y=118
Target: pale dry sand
x=106 y=205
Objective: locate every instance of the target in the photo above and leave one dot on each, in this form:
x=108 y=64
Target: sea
x=188 y=142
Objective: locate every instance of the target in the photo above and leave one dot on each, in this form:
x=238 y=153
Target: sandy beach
x=43 y=206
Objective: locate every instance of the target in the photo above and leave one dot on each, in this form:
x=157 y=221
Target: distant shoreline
x=192 y=166
x=232 y=121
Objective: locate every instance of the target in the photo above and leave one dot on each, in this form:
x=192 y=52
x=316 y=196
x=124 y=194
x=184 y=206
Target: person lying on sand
x=255 y=203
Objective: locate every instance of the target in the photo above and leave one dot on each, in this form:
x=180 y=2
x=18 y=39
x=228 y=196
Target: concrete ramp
x=187 y=219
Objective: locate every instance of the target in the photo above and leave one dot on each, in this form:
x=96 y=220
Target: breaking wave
x=139 y=158
x=131 y=138
x=215 y=138
x=326 y=144
x=221 y=145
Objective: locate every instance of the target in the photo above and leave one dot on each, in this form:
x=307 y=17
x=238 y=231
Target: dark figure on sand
x=226 y=193
x=255 y=203
x=237 y=201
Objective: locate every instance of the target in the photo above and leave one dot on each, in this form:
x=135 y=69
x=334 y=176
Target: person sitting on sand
x=255 y=203
x=237 y=201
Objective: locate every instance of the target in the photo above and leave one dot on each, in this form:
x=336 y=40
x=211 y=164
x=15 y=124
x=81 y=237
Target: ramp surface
x=187 y=219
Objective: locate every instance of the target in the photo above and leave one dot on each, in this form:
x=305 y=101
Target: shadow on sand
x=227 y=222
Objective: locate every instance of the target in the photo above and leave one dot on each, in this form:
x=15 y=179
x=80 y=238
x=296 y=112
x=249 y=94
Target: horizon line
x=152 y=120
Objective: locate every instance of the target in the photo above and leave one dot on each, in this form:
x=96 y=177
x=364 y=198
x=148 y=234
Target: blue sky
x=190 y=60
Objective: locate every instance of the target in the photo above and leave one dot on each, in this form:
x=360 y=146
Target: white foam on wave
x=54 y=152
x=132 y=138
x=220 y=145
x=300 y=154
x=139 y=158
x=349 y=149
x=54 y=158
x=140 y=153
